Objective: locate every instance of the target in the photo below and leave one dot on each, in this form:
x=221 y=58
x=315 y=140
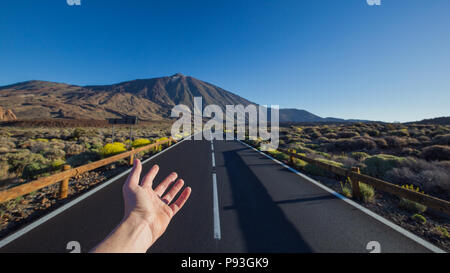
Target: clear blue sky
x=340 y=58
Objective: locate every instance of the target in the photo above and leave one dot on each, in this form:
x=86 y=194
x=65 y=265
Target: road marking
x=216 y=217
x=77 y=200
x=383 y=220
x=217 y=234
x=213 y=160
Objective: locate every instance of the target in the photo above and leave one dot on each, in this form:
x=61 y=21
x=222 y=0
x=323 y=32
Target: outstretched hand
x=148 y=211
x=150 y=205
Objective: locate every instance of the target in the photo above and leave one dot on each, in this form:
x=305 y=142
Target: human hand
x=148 y=211
x=152 y=206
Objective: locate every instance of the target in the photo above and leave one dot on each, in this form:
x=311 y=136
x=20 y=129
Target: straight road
x=241 y=201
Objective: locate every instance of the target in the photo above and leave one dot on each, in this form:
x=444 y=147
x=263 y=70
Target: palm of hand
x=151 y=205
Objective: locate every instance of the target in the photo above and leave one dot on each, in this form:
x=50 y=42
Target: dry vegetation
x=29 y=153
x=412 y=154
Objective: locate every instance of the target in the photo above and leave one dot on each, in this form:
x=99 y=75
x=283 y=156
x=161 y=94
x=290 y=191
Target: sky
x=338 y=58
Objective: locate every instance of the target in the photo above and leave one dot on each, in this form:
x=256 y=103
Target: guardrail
x=64 y=176
x=356 y=177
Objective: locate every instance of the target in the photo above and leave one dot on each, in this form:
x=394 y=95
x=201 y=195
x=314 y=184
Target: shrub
x=360 y=156
x=419 y=218
x=278 y=155
x=396 y=142
x=367 y=192
x=409 y=205
x=378 y=165
x=330 y=135
x=323 y=140
x=21 y=160
x=73 y=149
x=443 y=232
x=161 y=139
x=434 y=177
x=300 y=164
x=381 y=143
x=442 y=139
x=79 y=132
x=346 y=189
x=4 y=170
x=35 y=168
x=373 y=132
x=353 y=144
x=347 y=162
x=410 y=152
x=401 y=133
x=57 y=163
x=41 y=139
x=112 y=149
x=54 y=154
x=83 y=158
x=436 y=152
x=347 y=134
x=141 y=142
x=314 y=170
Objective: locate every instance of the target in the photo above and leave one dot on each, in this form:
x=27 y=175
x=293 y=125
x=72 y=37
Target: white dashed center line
x=217 y=234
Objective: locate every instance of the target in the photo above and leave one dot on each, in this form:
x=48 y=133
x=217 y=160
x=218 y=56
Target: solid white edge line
x=217 y=234
x=64 y=207
x=383 y=220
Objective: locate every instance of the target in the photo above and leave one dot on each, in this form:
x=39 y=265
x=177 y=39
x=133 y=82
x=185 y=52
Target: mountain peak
x=177 y=75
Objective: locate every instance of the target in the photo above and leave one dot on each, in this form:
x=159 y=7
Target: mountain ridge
x=150 y=99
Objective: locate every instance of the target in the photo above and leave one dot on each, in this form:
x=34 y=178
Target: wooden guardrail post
x=131 y=158
x=356 y=192
x=64 y=185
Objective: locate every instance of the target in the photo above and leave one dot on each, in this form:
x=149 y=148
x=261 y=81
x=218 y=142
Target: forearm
x=130 y=236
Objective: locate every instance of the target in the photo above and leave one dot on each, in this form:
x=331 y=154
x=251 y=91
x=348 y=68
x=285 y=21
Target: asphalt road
x=254 y=205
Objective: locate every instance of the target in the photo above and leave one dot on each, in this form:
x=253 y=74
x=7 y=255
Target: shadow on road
x=263 y=223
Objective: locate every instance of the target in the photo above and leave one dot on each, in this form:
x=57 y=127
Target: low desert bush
x=396 y=142
x=347 y=134
x=360 y=156
x=436 y=152
x=419 y=218
x=434 y=177
x=409 y=205
x=378 y=165
x=400 y=133
x=443 y=232
x=367 y=192
x=314 y=170
x=442 y=139
x=112 y=149
x=278 y=155
x=346 y=188
x=74 y=149
x=140 y=142
x=352 y=144
x=85 y=158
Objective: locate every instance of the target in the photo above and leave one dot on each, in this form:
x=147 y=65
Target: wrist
x=132 y=235
x=138 y=233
